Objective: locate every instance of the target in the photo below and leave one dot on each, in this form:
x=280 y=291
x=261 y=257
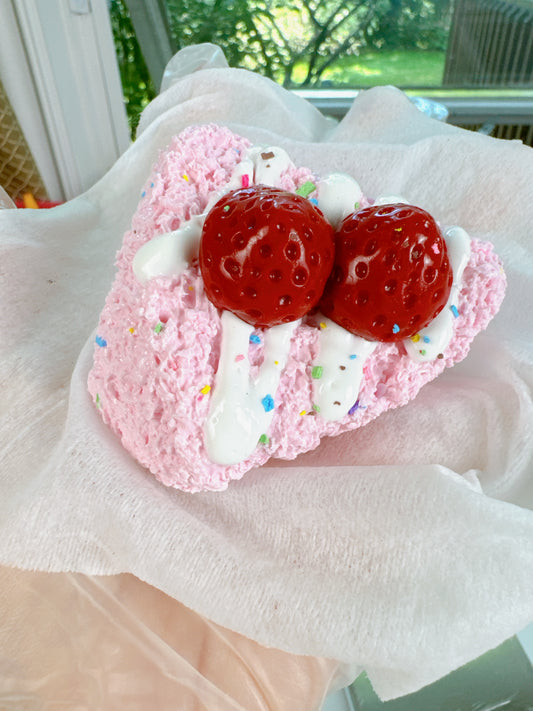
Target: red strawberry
x=265 y=255
x=392 y=274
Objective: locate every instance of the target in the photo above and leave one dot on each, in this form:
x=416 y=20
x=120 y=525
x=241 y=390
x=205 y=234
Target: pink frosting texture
x=158 y=344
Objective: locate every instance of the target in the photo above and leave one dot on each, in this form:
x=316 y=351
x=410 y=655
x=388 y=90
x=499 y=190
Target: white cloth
x=404 y=548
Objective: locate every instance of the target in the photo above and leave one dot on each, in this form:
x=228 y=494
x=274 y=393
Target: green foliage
x=137 y=85
x=274 y=37
x=298 y=43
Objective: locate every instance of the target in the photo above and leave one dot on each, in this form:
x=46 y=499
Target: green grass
x=422 y=68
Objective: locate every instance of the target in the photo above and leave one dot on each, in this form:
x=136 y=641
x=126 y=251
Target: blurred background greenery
x=299 y=43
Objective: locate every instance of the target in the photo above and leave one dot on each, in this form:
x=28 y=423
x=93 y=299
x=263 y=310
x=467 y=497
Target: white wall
x=59 y=69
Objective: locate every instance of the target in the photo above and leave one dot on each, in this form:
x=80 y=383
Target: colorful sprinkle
x=143 y=194
x=151 y=185
x=454 y=311
x=185 y=177
x=268 y=403
x=98 y=403
x=205 y=389
x=422 y=352
x=303 y=412
x=191 y=288
x=276 y=362
x=314 y=201
x=245 y=181
x=398 y=229
x=395 y=328
x=159 y=327
x=306 y=189
x=263 y=439
x=101 y=341
x=316 y=408
x=353 y=356
x=131 y=330
x=354 y=408
x=427 y=339
x=254 y=338
x=415 y=338
x=226 y=208
x=357 y=206
x=317 y=371
x=239 y=357
x=323 y=325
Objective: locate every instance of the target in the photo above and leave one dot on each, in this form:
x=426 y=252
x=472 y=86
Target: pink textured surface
x=147 y=382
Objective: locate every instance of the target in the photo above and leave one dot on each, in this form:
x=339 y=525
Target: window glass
x=459 y=47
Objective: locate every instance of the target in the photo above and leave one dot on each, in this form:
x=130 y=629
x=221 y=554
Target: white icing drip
x=168 y=254
x=338 y=196
x=241 y=410
x=239 y=413
x=436 y=336
x=338 y=370
x=269 y=164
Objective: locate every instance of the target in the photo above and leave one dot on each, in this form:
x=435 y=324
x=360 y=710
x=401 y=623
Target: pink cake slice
x=158 y=342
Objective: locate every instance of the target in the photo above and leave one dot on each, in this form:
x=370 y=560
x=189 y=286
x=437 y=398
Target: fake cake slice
x=257 y=308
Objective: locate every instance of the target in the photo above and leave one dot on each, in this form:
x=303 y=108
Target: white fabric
x=404 y=548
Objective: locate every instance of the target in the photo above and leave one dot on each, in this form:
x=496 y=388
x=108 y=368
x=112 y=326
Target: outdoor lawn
x=421 y=68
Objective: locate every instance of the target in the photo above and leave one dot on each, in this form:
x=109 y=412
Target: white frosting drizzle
x=269 y=164
x=338 y=196
x=168 y=254
x=338 y=370
x=241 y=409
x=435 y=337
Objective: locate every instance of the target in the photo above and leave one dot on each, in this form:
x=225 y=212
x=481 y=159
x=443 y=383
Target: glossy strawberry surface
x=391 y=275
x=265 y=255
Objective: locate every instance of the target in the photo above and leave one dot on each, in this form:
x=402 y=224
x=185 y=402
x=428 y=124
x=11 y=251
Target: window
x=476 y=56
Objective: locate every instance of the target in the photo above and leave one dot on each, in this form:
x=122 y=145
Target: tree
x=277 y=37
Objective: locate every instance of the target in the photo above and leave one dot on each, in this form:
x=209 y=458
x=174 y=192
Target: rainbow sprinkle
x=254 y=338
x=427 y=339
x=354 y=408
x=205 y=389
x=131 y=330
x=306 y=189
x=98 y=403
x=159 y=327
x=415 y=338
x=316 y=408
x=353 y=356
x=323 y=325
x=317 y=371
x=239 y=357
x=185 y=177
x=263 y=439
x=226 y=208
x=395 y=328
x=268 y=403
x=303 y=412
x=245 y=181
x=357 y=205
x=101 y=341
x=454 y=311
